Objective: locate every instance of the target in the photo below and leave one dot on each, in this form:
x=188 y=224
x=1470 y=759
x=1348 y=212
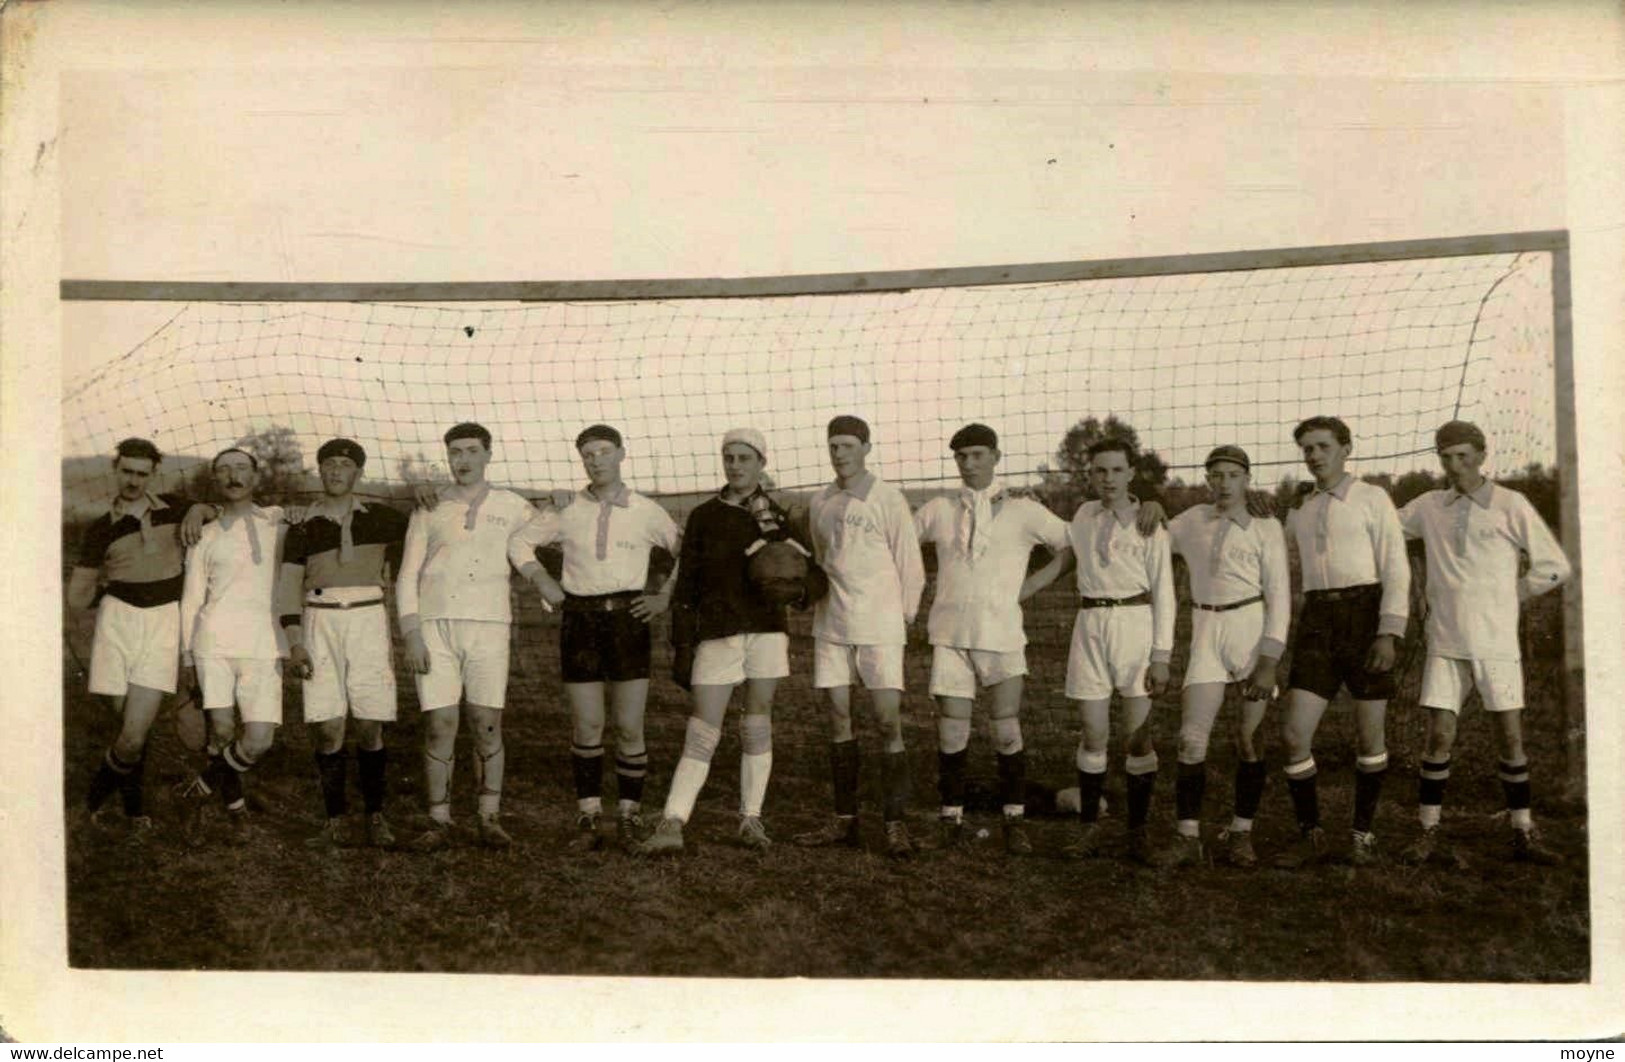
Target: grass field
x=722 y=911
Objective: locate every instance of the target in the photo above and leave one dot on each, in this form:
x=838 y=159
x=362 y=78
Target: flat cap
x=1457 y=432
x=1229 y=452
x=974 y=435
x=846 y=424
x=598 y=431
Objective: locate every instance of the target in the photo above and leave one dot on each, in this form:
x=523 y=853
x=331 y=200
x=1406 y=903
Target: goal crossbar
x=1554 y=241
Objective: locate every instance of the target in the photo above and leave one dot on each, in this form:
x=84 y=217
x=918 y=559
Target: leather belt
x=1343 y=593
x=344 y=604
x=1141 y=598
x=616 y=602
x=1226 y=608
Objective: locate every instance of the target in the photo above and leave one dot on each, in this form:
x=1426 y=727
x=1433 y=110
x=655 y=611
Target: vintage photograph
x=837 y=617
x=544 y=502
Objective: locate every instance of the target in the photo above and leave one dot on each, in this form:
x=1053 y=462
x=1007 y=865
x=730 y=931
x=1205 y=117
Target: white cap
x=749 y=436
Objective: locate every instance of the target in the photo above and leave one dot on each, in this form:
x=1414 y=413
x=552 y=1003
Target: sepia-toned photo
x=967 y=519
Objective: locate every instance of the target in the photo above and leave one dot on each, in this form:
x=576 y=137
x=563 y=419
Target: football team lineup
x=897 y=633
x=224 y=599
x=948 y=707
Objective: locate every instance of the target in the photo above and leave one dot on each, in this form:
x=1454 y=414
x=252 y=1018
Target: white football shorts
x=1111 y=650
x=466 y=657
x=252 y=684
x=878 y=667
x=731 y=660
x=351 y=665
x=957 y=672
x=1224 y=645
x=1446 y=681
x=135 y=647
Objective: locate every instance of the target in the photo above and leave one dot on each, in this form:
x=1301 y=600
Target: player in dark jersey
x=331 y=599
x=133 y=554
x=727 y=632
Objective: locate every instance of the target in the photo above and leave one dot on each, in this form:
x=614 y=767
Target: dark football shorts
x=601 y=641
x=1335 y=632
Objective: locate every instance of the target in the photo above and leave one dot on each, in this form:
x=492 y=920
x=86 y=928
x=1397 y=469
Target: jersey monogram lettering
x=861 y=522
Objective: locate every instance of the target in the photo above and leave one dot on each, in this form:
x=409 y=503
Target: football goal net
x=1190 y=351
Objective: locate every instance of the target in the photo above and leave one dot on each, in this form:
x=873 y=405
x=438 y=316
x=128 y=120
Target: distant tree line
x=1066 y=485
x=284 y=479
x=1063 y=488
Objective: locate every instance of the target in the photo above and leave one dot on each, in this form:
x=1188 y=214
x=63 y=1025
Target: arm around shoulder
x=1049 y=530
x=1062 y=562
x=535 y=529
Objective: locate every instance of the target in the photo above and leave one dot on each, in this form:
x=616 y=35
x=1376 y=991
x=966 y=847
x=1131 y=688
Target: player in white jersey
x=1122 y=638
x=1474 y=532
x=863 y=538
x=984 y=538
x=1357 y=584
x=1241 y=599
x=230 y=641
x=453 y=596
x=606 y=533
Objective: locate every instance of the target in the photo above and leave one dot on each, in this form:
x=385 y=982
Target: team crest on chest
x=1240 y=552
x=860 y=522
x=1128 y=543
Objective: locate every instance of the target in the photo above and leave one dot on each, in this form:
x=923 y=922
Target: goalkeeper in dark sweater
x=740 y=567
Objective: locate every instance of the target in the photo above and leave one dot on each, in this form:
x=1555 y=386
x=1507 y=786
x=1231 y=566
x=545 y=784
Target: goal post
x=1568 y=463
x=1191 y=350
